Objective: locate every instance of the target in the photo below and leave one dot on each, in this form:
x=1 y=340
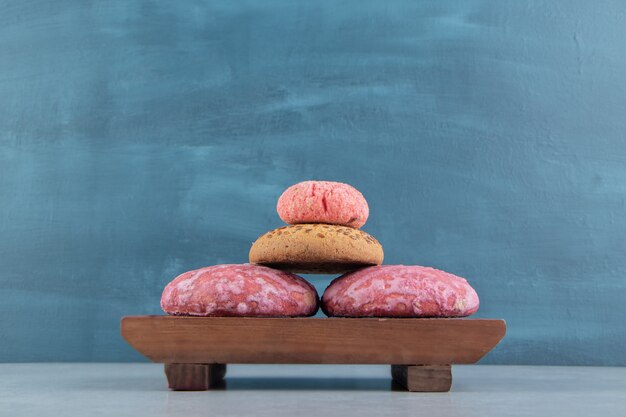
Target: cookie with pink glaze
x=323 y=202
x=399 y=291
x=239 y=290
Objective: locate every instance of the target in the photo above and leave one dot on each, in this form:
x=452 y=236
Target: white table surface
x=64 y=390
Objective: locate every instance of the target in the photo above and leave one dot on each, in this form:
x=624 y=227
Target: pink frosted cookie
x=323 y=202
x=399 y=291
x=239 y=290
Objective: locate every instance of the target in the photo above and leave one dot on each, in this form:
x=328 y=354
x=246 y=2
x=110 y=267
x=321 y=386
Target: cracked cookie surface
x=323 y=202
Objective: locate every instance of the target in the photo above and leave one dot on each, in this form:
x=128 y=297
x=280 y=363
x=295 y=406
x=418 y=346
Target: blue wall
x=141 y=139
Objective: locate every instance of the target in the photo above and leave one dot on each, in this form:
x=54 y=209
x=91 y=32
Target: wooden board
x=224 y=340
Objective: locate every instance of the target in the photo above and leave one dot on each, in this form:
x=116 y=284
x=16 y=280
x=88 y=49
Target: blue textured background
x=141 y=139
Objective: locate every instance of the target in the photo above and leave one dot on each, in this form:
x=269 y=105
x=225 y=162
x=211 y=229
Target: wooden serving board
x=196 y=349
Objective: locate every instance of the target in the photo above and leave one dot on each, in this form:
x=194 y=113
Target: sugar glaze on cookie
x=399 y=291
x=239 y=290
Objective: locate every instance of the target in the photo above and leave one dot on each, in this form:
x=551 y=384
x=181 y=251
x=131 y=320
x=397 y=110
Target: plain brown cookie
x=316 y=248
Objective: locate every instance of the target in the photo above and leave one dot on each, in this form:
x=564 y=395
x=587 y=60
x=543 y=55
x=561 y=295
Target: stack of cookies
x=322 y=236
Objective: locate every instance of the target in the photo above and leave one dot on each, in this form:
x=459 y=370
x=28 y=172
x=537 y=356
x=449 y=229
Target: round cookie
x=323 y=202
x=316 y=248
x=239 y=290
x=399 y=291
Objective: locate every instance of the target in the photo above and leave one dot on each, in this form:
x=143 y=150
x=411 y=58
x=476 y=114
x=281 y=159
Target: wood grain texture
x=194 y=376
x=423 y=378
x=170 y=339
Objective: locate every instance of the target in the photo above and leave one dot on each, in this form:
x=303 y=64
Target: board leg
x=423 y=378
x=194 y=376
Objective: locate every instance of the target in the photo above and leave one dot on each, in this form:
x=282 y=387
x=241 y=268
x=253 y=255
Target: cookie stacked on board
x=322 y=236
